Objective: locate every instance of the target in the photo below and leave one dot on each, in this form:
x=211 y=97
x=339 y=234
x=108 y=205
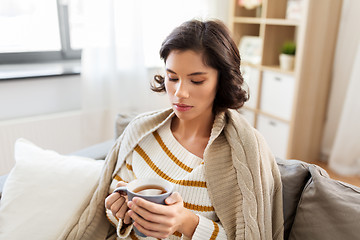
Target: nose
x=181 y=90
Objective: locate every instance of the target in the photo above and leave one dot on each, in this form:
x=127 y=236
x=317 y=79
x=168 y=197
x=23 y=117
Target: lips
x=182 y=107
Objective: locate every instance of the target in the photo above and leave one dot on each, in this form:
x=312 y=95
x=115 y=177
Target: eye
x=172 y=78
x=197 y=82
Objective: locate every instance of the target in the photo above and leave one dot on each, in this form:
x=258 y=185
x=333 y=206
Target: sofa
x=315 y=206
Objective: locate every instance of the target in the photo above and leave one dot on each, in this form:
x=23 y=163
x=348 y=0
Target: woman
x=226 y=181
x=202 y=81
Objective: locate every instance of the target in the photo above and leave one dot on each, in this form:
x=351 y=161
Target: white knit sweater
x=245 y=190
x=160 y=155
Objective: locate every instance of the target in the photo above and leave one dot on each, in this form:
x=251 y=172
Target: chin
x=183 y=115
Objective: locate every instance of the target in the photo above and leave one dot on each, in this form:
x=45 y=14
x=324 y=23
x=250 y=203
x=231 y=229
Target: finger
x=145 y=206
x=150 y=233
x=115 y=207
x=149 y=225
x=121 y=184
x=143 y=222
x=175 y=197
x=127 y=218
x=111 y=199
x=122 y=211
x=150 y=216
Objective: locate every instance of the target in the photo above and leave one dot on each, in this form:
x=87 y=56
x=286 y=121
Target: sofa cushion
x=328 y=209
x=96 y=151
x=45 y=192
x=122 y=120
x=294 y=176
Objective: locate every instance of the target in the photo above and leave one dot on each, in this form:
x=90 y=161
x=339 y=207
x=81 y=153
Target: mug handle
x=120 y=190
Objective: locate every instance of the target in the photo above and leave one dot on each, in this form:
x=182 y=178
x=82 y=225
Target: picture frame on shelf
x=250 y=49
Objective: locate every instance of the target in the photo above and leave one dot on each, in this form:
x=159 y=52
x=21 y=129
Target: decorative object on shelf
x=250 y=4
x=294 y=9
x=287 y=55
x=250 y=49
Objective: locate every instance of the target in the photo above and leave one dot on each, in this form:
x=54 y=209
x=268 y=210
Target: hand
x=117 y=203
x=161 y=221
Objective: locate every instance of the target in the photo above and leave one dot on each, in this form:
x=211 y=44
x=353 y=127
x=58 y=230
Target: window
x=40 y=30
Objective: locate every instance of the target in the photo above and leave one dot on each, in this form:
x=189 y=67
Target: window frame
x=66 y=52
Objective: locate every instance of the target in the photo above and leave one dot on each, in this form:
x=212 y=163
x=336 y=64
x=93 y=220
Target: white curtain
x=121 y=53
x=345 y=155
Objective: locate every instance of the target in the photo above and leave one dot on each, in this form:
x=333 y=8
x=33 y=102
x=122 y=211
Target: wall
x=347 y=42
x=31 y=97
x=48 y=112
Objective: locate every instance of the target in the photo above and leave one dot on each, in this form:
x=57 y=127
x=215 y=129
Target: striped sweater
x=245 y=190
x=160 y=155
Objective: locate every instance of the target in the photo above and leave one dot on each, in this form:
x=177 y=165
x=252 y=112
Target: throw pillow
x=328 y=209
x=45 y=192
x=294 y=176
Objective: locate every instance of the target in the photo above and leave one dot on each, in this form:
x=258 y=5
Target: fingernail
x=130 y=204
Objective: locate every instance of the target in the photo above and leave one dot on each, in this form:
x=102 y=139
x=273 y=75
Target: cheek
x=168 y=87
x=210 y=92
x=166 y=84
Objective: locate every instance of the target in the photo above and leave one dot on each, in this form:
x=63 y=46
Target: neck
x=199 y=127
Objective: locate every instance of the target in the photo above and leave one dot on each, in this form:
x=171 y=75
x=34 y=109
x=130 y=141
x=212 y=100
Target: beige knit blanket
x=251 y=174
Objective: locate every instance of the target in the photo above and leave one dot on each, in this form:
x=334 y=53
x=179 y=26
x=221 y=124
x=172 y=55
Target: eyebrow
x=191 y=74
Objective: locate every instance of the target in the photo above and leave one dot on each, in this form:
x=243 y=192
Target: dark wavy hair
x=213 y=40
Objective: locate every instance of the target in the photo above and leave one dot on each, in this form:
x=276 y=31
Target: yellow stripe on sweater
x=158 y=171
x=133 y=236
x=129 y=167
x=117 y=177
x=198 y=208
x=168 y=152
x=215 y=232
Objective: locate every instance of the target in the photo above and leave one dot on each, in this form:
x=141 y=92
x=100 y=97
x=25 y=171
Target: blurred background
x=68 y=67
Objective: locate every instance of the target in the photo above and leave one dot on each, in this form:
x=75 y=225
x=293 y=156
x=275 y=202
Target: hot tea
x=148 y=190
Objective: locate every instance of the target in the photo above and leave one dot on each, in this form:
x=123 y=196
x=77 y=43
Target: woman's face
x=190 y=85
